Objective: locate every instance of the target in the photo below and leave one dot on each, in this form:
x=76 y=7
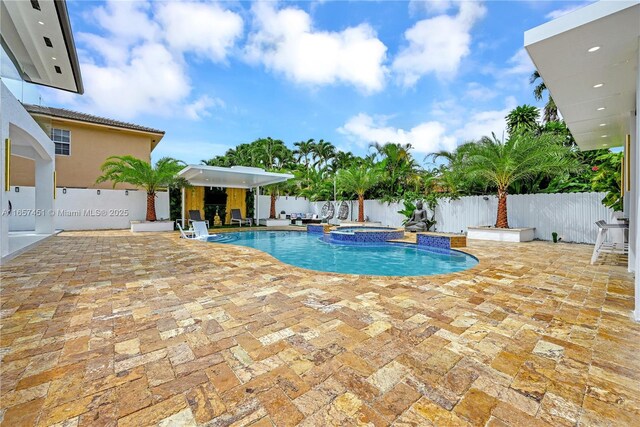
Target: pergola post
x=183 y=207
x=257 y=203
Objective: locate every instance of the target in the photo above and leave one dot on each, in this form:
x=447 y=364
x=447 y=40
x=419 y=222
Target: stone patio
x=110 y=328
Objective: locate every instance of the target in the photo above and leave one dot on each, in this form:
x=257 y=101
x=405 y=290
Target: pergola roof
x=588 y=60
x=233 y=177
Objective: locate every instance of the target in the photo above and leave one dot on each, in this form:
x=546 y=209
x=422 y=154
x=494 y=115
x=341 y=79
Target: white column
x=631 y=197
x=257 y=203
x=45 y=205
x=4 y=196
x=182 y=210
x=635 y=148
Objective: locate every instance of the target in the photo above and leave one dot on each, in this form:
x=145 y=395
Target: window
x=62 y=139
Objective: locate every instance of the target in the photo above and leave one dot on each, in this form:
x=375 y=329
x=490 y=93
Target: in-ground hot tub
x=363 y=234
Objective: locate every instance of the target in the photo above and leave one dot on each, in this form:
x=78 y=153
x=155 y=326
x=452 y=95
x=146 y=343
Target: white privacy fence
x=85 y=209
x=571 y=215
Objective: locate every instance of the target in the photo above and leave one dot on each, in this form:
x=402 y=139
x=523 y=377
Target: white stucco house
x=589 y=60
x=37 y=48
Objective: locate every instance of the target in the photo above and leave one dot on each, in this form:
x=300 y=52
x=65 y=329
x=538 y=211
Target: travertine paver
x=115 y=329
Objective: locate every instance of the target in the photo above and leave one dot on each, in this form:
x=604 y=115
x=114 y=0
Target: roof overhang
x=598 y=117
x=233 y=177
x=27 y=29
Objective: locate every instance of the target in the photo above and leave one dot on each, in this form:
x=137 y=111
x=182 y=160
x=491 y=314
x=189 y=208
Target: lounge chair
x=201 y=230
x=236 y=216
x=194 y=215
x=183 y=234
x=602 y=246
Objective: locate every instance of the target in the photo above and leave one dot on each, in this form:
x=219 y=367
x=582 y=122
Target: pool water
x=379 y=259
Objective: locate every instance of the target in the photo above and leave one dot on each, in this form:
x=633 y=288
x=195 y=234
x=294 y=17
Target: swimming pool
x=379 y=259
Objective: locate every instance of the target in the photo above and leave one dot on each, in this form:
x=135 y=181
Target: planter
x=146 y=226
x=501 y=234
x=271 y=222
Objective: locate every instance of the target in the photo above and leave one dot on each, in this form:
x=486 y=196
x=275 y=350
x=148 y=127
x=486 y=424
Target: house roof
x=589 y=62
x=37 y=38
x=63 y=113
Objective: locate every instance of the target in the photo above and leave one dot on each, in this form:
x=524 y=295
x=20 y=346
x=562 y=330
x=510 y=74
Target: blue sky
x=213 y=75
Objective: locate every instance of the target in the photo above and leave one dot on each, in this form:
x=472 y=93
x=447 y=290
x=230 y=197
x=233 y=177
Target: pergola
x=241 y=177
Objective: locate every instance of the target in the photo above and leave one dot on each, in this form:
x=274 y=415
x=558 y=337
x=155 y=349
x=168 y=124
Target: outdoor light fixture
x=601 y=108
x=485 y=198
x=604 y=136
x=40 y=22
x=598 y=85
x=602 y=124
x=17 y=189
x=593 y=49
x=98 y=192
x=126 y=192
x=64 y=190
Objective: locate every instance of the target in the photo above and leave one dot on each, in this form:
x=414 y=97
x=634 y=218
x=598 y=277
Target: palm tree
x=522 y=157
x=523 y=118
x=357 y=180
x=550 y=112
x=400 y=169
x=323 y=151
x=134 y=171
x=303 y=150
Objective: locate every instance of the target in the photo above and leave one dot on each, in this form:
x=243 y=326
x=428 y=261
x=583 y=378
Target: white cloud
x=479 y=92
x=433 y=135
x=285 y=41
x=560 y=12
x=438 y=44
x=150 y=81
x=199 y=108
x=430 y=6
x=138 y=67
x=206 y=29
x=520 y=63
x=425 y=138
x=484 y=123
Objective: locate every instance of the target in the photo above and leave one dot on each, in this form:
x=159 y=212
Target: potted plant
x=524 y=156
x=134 y=171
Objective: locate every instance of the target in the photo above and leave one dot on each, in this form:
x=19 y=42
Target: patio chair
x=236 y=216
x=327 y=212
x=183 y=234
x=343 y=211
x=194 y=215
x=612 y=247
x=201 y=230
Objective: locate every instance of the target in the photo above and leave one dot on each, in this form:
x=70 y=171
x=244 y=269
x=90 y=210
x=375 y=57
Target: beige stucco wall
x=90 y=147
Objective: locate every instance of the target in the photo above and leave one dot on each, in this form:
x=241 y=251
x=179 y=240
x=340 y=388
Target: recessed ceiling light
x=601 y=108
x=54 y=58
x=604 y=136
x=593 y=49
x=40 y=22
x=603 y=124
x=598 y=85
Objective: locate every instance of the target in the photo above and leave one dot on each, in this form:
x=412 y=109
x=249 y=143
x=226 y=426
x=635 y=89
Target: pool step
x=408 y=238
